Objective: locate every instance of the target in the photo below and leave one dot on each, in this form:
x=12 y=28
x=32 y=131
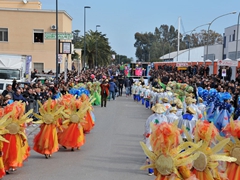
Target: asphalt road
x=111 y=152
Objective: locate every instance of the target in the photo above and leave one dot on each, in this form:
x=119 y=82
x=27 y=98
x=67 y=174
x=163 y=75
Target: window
x=38 y=36
x=230 y=38
x=39 y=67
x=224 y=56
x=233 y=38
x=4 y=34
x=9 y=74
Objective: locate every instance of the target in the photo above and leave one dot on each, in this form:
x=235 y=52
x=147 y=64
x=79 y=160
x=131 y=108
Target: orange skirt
x=26 y=151
x=233 y=171
x=12 y=151
x=46 y=141
x=72 y=137
x=204 y=176
x=89 y=124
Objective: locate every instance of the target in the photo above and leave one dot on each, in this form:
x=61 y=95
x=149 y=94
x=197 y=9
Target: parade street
x=111 y=152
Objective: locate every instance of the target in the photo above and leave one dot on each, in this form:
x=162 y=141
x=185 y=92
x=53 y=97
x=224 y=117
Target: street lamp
x=57 y=41
x=84 y=55
x=190 y=38
x=236 y=55
x=96 y=46
x=234 y=12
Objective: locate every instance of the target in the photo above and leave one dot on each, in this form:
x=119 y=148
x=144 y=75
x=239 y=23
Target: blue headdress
x=226 y=96
x=79 y=91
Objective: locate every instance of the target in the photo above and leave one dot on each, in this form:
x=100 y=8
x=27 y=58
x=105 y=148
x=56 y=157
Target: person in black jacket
x=131 y=82
x=120 y=86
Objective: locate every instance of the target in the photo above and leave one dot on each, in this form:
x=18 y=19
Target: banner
x=138 y=72
x=227 y=63
x=182 y=64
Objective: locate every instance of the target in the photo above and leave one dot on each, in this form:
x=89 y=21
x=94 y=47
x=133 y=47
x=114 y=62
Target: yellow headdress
x=167 y=155
x=207 y=162
x=49 y=112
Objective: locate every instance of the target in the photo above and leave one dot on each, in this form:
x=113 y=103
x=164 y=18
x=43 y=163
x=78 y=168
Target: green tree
x=76 y=39
x=96 y=42
x=150 y=46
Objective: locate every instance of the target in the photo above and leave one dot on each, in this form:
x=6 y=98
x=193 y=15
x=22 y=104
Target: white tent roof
x=173 y=54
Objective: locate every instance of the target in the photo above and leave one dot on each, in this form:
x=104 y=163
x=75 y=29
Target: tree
x=76 y=38
x=75 y=55
x=150 y=46
x=96 y=42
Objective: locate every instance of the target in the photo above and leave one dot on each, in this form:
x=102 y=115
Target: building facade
x=26 y=29
x=230 y=41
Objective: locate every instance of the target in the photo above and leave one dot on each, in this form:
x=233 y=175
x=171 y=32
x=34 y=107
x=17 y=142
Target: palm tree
x=103 y=48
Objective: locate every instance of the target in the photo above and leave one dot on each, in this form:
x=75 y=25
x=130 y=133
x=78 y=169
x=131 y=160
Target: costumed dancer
x=179 y=106
x=167 y=161
x=152 y=97
x=169 y=93
x=187 y=120
x=195 y=107
x=202 y=108
x=134 y=86
x=161 y=95
x=211 y=96
x=142 y=94
x=156 y=118
x=232 y=130
x=225 y=109
x=157 y=96
x=75 y=111
x=3 y=131
x=95 y=92
x=172 y=117
x=46 y=141
x=89 y=124
x=147 y=97
x=166 y=103
x=137 y=92
x=14 y=152
x=205 y=166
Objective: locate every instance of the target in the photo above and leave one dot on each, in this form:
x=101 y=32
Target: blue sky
x=121 y=19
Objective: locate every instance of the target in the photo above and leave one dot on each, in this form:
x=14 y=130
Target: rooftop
x=36 y=10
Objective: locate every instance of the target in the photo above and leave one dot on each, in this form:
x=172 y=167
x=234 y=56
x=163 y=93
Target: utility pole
x=179 y=19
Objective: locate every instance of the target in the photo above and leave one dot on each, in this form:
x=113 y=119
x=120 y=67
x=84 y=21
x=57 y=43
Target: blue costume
x=225 y=110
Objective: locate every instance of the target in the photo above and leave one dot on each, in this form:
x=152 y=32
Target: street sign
x=224 y=73
x=61 y=36
x=66 y=48
x=227 y=63
x=60 y=57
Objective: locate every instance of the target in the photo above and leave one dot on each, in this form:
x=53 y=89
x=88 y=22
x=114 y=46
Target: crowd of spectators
x=42 y=90
x=200 y=77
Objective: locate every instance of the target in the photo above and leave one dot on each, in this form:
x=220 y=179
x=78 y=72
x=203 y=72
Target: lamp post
x=57 y=48
x=209 y=31
x=84 y=55
x=96 y=46
x=190 y=38
x=236 y=55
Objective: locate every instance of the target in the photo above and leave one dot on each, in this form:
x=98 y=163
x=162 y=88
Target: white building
x=229 y=43
x=195 y=54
